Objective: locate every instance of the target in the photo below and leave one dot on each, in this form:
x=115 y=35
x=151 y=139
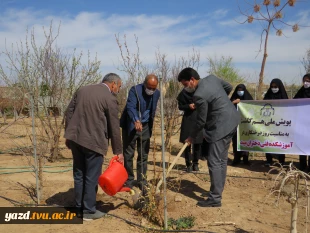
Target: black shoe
x=189 y=169
x=268 y=164
x=143 y=185
x=246 y=162
x=128 y=184
x=195 y=168
x=79 y=213
x=209 y=203
x=235 y=162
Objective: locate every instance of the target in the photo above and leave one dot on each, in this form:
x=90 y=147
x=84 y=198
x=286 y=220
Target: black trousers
x=129 y=146
x=87 y=167
x=192 y=158
x=239 y=154
x=269 y=156
x=303 y=162
x=204 y=149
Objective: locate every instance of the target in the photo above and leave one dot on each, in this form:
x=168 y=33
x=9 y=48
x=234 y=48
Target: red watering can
x=114 y=177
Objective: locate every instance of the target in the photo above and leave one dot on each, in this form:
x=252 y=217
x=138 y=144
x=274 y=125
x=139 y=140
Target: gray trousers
x=217 y=156
x=87 y=167
x=129 y=146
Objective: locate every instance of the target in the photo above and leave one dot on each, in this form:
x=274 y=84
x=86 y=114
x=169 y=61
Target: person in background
x=186 y=104
x=276 y=91
x=203 y=155
x=137 y=123
x=240 y=93
x=304 y=92
x=218 y=118
x=90 y=120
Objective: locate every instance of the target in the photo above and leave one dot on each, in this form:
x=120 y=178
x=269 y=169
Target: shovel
x=170 y=167
x=140 y=202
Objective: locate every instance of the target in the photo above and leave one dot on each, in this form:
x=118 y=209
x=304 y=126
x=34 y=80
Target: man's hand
x=236 y=101
x=138 y=126
x=120 y=158
x=192 y=106
x=189 y=141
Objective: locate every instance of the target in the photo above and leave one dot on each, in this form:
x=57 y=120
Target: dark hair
x=187 y=73
x=306 y=76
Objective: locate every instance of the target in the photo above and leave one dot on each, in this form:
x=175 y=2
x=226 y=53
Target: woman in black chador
x=186 y=104
x=304 y=92
x=240 y=93
x=276 y=91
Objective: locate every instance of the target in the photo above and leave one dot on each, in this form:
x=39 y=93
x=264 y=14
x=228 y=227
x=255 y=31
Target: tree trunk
x=261 y=74
x=4 y=117
x=15 y=114
x=167 y=140
x=40 y=157
x=294 y=217
x=168 y=132
x=54 y=148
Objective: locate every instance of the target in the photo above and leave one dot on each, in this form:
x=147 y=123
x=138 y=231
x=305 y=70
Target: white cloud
x=174 y=36
x=218 y=14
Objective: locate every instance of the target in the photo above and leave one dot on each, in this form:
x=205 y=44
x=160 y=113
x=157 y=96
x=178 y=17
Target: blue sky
x=174 y=27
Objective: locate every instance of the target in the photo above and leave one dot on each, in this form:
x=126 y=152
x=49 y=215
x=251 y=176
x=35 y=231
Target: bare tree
x=12 y=102
x=48 y=76
x=270 y=14
x=169 y=72
x=306 y=61
x=131 y=63
x=292 y=184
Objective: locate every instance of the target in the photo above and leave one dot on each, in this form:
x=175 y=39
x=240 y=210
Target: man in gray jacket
x=219 y=119
x=91 y=119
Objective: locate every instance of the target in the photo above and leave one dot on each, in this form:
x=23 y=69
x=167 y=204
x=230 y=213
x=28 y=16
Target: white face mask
x=306 y=84
x=189 y=89
x=240 y=93
x=149 y=92
x=274 y=90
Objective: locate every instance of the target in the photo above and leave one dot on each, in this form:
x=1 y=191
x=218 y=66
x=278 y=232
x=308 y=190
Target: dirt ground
x=246 y=206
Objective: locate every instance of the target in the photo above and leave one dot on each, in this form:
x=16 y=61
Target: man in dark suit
x=219 y=118
x=90 y=119
x=137 y=123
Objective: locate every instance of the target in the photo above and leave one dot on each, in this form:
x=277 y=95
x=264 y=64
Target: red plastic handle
x=114 y=159
x=125 y=189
